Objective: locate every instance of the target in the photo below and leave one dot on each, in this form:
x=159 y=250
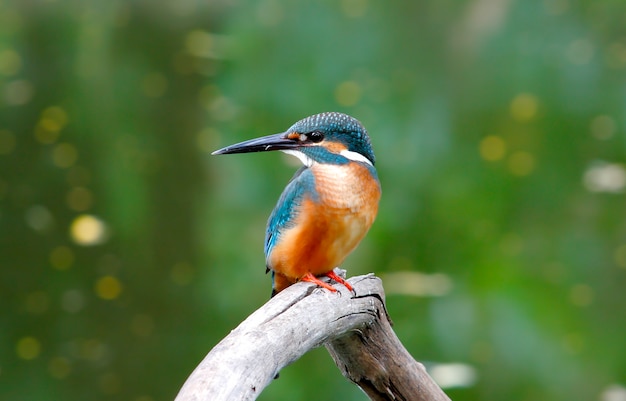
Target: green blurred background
x=127 y=252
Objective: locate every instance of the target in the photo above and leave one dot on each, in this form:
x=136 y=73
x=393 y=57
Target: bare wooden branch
x=355 y=330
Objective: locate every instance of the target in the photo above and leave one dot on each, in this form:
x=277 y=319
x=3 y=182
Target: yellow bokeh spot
x=620 y=256
x=62 y=258
x=521 y=163
x=49 y=126
x=108 y=287
x=28 y=348
x=64 y=155
x=199 y=43
x=59 y=367
x=79 y=199
x=10 y=63
x=7 y=142
x=492 y=148
x=348 y=93
x=524 y=107
x=88 y=230
x=581 y=295
x=56 y=114
x=46 y=133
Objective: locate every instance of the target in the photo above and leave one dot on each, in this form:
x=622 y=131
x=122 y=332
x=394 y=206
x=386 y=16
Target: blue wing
x=286 y=209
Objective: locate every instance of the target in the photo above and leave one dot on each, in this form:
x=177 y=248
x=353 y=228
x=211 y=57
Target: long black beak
x=262 y=144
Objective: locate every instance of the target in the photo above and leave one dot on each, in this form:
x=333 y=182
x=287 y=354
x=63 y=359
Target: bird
x=328 y=206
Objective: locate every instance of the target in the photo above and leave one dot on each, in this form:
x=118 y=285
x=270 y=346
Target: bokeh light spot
x=614 y=392
x=7 y=142
x=605 y=177
x=39 y=218
x=18 y=92
x=72 y=301
x=47 y=131
x=492 y=148
x=142 y=325
x=37 y=302
x=524 y=107
x=417 y=284
x=580 y=51
x=603 y=127
x=56 y=114
x=581 y=295
x=521 y=163
x=28 y=348
x=62 y=258
x=88 y=230
x=348 y=93
x=200 y=43
x=108 y=287
x=79 y=199
x=449 y=375
x=64 y=155
x=182 y=273
x=10 y=62
x=59 y=367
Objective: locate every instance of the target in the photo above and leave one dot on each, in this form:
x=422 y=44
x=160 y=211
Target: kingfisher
x=329 y=204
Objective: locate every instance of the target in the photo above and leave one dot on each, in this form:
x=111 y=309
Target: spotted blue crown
x=338 y=127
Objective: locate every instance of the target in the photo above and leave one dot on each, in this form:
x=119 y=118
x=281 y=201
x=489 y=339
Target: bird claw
x=331 y=275
x=310 y=278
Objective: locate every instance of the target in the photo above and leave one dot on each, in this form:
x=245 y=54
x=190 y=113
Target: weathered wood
x=355 y=330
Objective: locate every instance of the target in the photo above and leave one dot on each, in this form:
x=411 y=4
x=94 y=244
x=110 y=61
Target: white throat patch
x=357 y=157
x=348 y=154
x=306 y=160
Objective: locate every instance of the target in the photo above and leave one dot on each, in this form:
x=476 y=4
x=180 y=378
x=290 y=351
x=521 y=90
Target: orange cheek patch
x=293 y=135
x=334 y=147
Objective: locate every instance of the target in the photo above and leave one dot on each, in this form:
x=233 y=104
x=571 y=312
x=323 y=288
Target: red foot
x=312 y=279
x=331 y=274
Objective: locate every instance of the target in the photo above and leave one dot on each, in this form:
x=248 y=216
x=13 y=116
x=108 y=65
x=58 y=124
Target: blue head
x=323 y=138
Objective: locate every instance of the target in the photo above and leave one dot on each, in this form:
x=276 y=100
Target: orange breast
x=329 y=227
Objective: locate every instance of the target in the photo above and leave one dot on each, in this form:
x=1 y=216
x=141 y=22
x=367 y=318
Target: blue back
x=286 y=210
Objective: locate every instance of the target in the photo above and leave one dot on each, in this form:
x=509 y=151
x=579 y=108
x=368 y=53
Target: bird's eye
x=316 y=136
